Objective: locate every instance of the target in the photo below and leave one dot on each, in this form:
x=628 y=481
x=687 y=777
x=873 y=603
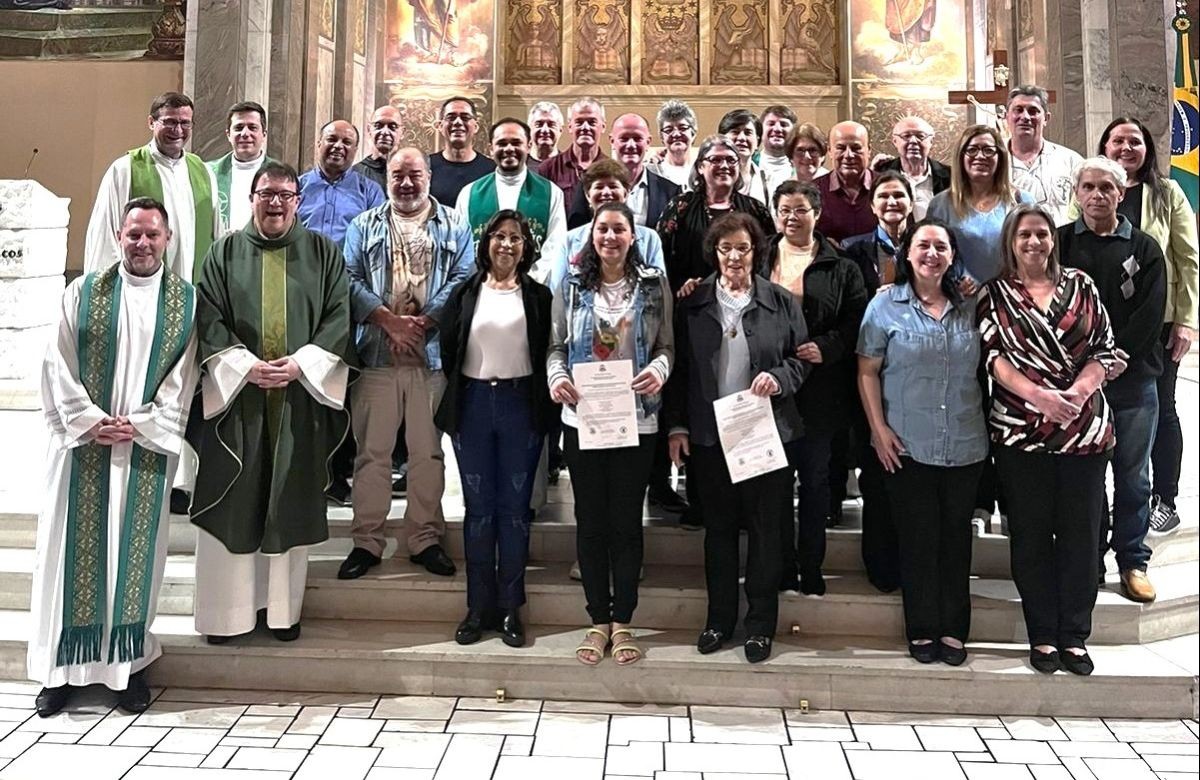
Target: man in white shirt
x=1039 y=167
x=774 y=163
x=247 y=133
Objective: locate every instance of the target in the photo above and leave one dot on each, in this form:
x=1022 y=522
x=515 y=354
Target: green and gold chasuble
x=264 y=460
x=86 y=549
x=144 y=182
x=533 y=202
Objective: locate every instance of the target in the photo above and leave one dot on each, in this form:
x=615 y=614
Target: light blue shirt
x=648 y=243
x=931 y=396
x=978 y=234
x=326 y=207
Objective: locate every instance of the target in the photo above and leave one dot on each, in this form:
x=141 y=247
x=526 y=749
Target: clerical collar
x=512 y=181
x=139 y=281
x=254 y=164
x=262 y=242
x=158 y=156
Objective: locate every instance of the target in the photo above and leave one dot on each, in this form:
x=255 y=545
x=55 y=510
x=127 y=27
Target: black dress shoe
x=213 y=639
x=711 y=640
x=435 y=561
x=357 y=563
x=339 y=492
x=470 y=630
x=512 y=632
x=287 y=634
x=180 y=502
x=552 y=476
x=812 y=583
x=666 y=499
x=1077 y=664
x=789 y=583
x=1046 y=663
x=136 y=696
x=952 y=656
x=884 y=585
x=926 y=653
x=691 y=520
x=758 y=649
x=50 y=701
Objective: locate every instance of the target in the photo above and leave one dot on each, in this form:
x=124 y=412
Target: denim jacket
x=368 y=254
x=573 y=331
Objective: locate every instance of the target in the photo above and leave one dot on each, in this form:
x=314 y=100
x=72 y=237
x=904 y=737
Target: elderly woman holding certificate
x=737 y=335
x=611 y=351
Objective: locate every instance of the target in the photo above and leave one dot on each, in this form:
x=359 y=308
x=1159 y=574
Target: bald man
x=384 y=133
x=913 y=138
x=397 y=310
x=331 y=194
x=649 y=192
x=845 y=198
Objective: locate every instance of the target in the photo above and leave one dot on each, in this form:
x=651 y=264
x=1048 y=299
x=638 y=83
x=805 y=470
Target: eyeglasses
x=734 y=250
x=914 y=135
x=682 y=127
x=175 y=124
x=809 y=151
x=271 y=195
x=504 y=238
x=722 y=162
x=785 y=212
x=452 y=118
x=987 y=152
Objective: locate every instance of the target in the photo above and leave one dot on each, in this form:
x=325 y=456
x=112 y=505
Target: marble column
x=285 y=94
x=1142 y=67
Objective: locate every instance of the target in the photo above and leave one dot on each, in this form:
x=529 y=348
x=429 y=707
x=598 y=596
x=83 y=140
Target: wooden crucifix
x=985 y=100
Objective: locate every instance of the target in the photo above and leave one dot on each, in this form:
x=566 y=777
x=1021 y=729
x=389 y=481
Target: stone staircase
x=116 y=33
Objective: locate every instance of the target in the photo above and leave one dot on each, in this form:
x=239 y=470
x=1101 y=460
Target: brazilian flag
x=1185 y=114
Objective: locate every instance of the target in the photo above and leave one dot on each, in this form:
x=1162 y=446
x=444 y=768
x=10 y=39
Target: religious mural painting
x=436 y=49
x=533 y=54
x=879 y=106
x=670 y=42
x=739 y=41
x=601 y=41
x=810 y=50
x=38 y=30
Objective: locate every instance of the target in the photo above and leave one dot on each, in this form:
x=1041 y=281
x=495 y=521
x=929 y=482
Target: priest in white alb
x=247 y=134
x=161 y=170
x=116 y=387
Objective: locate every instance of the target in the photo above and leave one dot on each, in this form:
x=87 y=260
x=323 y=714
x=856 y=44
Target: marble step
x=818 y=673
x=670 y=598
x=120 y=42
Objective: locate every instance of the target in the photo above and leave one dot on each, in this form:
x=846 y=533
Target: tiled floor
x=230 y=735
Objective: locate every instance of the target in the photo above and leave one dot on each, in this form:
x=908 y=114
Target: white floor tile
x=887 y=737
x=410 y=750
x=615 y=708
x=954 y=738
x=517 y=745
x=548 y=768
x=903 y=765
x=757 y=759
x=1077 y=768
x=218 y=757
x=344 y=763
x=1119 y=769
x=14 y=714
x=487 y=722
x=1083 y=749
x=274 y=710
x=296 y=741
x=186 y=773
x=820 y=734
x=1169 y=763
x=636 y=758
x=977 y=758
x=835 y=718
x=681 y=729
x=508 y=705
x=72 y=721
x=739 y=725
x=312 y=720
x=424 y=726
x=17 y=743
x=469 y=756
x=677 y=776
x=570 y=734
x=996 y=772
x=643 y=728
x=354 y=713
x=1085 y=729
x=182 y=740
x=351 y=732
x=59 y=739
x=273 y=727
x=1167 y=748
x=1049 y=772
x=1021 y=751
x=141 y=736
x=102 y=762
x=189 y=714
x=393 y=773
x=415 y=707
x=1150 y=730
x=1021 y=727
x=107 y=730
x=260 y=742
x=186 y=760
x=990 y=732
x=824 y=760
x=267 y=758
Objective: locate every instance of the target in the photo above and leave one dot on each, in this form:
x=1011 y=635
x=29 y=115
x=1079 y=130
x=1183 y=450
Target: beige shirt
x=792 y=264
x=412 y=259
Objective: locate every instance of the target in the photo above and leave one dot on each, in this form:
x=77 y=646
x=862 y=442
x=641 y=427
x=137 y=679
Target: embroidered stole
x=222 y=169
x=145 y=182
x=85 y=578
x=533 y=201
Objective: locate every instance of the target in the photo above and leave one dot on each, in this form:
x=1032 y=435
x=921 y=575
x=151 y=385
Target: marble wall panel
x=670 y=42
x=285 y=89
x=323 y=94
x=601 y=42
x=216 y=55
x=1142 y=84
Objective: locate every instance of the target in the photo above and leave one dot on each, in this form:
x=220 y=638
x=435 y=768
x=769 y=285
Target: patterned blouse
x=1049 y=349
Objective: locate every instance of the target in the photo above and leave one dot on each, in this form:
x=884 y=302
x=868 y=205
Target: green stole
x=144 y=182
x=533 y=202
x=274 y=330
x=85 y=580
x=223 y=171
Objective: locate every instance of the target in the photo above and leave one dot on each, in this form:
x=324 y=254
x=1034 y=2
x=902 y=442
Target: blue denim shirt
x=648 y=243
x=327 y=207
x=931 y=396
x=368 y=254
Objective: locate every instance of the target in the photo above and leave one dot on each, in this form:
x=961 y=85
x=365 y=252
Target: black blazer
x=938 y=172
x=455 y=328
x=774 y=327
x=660 y=190
x=863 y=251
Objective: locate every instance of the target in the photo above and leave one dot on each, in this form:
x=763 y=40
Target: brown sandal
x=592 y=645
x=628 y=645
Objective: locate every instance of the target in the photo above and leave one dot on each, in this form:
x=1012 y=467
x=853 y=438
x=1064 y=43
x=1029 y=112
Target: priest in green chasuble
x=117 y=384
x=274 y=326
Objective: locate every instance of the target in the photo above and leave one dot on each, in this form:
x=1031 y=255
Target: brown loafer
x=1136 y=586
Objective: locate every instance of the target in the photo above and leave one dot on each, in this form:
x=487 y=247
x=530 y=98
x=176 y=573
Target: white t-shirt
x=1047 y=178
x=498 y=344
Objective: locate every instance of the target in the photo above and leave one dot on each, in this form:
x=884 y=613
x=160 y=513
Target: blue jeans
x=1135 y=415
x=497 y=450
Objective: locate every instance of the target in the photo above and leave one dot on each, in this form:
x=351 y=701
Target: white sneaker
x=1004 y=525
x=574 y=572
x=981 y=522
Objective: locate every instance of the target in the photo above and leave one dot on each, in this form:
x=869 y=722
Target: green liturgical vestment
x=264 y=456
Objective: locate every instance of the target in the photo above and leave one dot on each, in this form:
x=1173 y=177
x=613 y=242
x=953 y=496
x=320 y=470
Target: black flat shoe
x=435 y=561
x=181 y=502
x=136 y=696
x=339 y=492
x=470 y=630
x=667 y=500
x=812 y=583
x=952 y=656
x=50 y=701
x=287 y=634
x=926 y=653
x=357 y=563
x=1077 y=664
x=512 y=632
x=213 y=639
x=710 y=641
x=758 y=649
x=884 y=585
x=1046 y=663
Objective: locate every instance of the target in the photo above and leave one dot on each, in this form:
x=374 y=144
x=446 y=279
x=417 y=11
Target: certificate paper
x=749 y=437
x=607 y=408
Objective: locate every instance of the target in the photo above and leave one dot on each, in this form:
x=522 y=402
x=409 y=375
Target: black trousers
x=1166 y=458
x=759 y=505
x=809 y=459
x=880 y=543
x=609 y=488
x=1054 y=508
x=932 y=507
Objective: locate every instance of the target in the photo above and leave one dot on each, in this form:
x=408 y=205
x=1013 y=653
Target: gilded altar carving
x=533 y=52
x=360 y=27
x=739 y=40
x=671 y=42
x=326 y=20
x=419 y=111
x=810 y=50
x=1025 y=20
x=601 y=42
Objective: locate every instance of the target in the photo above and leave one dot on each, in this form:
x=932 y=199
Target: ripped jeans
x=497 y=450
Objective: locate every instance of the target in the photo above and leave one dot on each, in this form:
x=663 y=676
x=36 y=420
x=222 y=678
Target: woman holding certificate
x=731 y=409
x=611 y=351
x=494 y=335
x=918 y=352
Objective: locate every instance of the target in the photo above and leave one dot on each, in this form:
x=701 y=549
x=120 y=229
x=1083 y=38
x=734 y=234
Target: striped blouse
x=1049 y=349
